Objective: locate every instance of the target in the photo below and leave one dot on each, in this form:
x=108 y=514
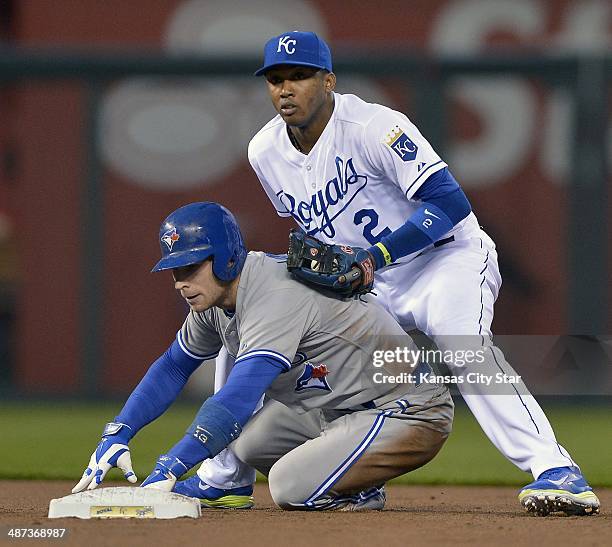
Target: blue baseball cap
x=296 y=48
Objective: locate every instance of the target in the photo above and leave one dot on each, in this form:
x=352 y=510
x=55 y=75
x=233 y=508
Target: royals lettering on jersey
x=356 y=185
x=319 y=212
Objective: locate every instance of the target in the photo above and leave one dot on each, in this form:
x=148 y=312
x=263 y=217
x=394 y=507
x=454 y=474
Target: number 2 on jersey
x=372 y=217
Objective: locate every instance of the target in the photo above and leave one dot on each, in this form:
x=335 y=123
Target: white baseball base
x=125 y=502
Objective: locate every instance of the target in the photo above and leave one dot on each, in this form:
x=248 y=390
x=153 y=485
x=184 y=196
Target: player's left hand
x=344 y=270
x=165 y=474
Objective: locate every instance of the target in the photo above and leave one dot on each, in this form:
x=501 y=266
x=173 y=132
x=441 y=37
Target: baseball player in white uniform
x=314 y=355
x=361 y=174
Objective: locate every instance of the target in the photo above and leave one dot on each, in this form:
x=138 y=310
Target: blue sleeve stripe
x=266 y=353
x=422 y=173
x=179 y=339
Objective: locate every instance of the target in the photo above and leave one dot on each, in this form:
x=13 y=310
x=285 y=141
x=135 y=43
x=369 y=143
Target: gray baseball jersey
x=325 y=343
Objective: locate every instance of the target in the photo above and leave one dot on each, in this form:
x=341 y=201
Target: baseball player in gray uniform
x=338 y=421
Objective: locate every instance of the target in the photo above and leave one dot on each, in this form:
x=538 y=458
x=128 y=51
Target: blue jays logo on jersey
x=318 y=214
x=170 y=237
x=313 y=377
x=399 y=142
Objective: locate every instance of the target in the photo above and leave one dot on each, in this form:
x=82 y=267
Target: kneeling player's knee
x=244 y=450
x=252 y=454
x=285 y=487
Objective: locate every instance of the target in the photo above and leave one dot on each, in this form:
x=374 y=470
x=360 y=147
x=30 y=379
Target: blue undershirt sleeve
x=159 y=387
x=246 y=384
x=440 y=183
x=444 y=205
x=221 y=418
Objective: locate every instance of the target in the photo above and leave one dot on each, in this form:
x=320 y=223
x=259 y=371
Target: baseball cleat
x=216 y=498
x=373 y=499
x=561 y=489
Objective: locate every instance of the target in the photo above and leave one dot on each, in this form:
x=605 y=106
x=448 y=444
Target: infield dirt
x=415 y=515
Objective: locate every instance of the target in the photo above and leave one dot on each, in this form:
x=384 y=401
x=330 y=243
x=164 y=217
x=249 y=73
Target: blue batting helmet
x=197 y=231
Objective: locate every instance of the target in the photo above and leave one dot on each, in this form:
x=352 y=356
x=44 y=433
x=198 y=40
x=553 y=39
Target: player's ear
x=330 y=82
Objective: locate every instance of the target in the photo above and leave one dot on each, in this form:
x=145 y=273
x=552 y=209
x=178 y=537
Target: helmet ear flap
x=226 y=271
x=230 y=252
x=227 y=268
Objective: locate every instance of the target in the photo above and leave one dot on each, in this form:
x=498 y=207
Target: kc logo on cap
x=288 y=43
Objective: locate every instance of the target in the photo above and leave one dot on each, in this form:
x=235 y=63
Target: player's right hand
x=112 y=451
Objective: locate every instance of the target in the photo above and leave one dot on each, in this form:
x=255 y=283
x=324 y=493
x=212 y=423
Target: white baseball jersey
x=357 y=183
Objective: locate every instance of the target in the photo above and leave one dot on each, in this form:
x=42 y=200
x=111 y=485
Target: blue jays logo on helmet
x=169 y=237
x=198 y=231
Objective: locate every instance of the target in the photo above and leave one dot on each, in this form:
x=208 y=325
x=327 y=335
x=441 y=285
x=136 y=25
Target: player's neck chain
x=294 y=141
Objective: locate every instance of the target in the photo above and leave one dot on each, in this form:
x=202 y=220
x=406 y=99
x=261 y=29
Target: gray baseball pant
x=311 y=458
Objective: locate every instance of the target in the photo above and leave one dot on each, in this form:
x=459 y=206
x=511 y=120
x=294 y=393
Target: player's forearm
x=221 y=418
x=444 y=205
x=246 y=384
x=158 y=389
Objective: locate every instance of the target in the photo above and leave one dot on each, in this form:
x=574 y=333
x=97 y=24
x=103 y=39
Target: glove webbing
x=312 y=254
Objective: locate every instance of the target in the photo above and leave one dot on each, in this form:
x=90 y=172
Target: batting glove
x=112 y=451
x=167 y=470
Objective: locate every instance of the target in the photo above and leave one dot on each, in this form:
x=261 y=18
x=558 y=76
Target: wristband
x=173 y=465
x=385 y=252
x=215 y=427
x=113 y=428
